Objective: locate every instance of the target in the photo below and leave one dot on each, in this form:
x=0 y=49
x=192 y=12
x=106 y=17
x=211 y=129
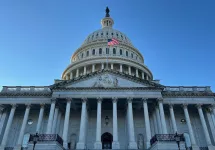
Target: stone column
x=147 y=77
x=111 y=66
x=162 y=115
x=147 y=123
x=129 y=70
x=115 y=143
x=192 y=138
x=51 y=115
x=4 y=116
x=158 y=120
x=93 y=68
x=210 y=121
x=22 y=130
x=67 y=77
x=120 y=69
x=103 y=66
x=54 y=124
x=40 y=119
x=71 y=75
x=155 y=123
x=137 y=74
x=77 y=72
x=85 y=70
x=213 y=112
x=205 y=129
x=143 y=77
x=66 y=124
x=98 y=144
x=132 y=143
x=7 y=129
x=172 y=115
x=81 y=142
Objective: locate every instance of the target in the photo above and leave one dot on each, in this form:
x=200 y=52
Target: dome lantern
x=107 y=21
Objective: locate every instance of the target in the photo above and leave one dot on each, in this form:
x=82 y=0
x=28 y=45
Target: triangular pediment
x=105 y=79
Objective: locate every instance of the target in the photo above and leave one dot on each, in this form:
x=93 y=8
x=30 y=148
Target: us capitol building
x=107 y=99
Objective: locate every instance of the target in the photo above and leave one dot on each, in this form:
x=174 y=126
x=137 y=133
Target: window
x=87 y=53
x=107 y=50
x=120 y=51
x=132 y=55
x=117 y=35
x=107 y=33
x=100 y=51
x=111 y=33
x=93 y=52
x=127 y=53
x=82 y=55
x=114 y=51
x=101 y=34
x=97 y=34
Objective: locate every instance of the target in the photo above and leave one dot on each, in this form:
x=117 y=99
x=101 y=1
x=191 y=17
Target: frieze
x=25 y=94
x=187 y=94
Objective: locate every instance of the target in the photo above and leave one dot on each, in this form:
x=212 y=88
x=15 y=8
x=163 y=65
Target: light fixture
x=106 y=120
x=183 y=121
x=30 y=121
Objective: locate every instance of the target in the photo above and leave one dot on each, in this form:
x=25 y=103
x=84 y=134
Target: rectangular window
x=107 y=50
x=127 y=53
x=114 y=51
x=120 y=51
x=94 y=52
x=87 y=53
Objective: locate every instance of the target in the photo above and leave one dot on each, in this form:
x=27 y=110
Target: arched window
x=82 y=55
x=107 y=33
x=120 y=51
x=93 y=52
x=101 y=34
x=132 y=55
x=114 y=51
x=107 y=50
x=100 y=51
x=87 y=53
x=127 y=53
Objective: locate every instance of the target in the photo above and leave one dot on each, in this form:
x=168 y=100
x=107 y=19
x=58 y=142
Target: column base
x=97 y=145
x=17 y=147
x=2 y=147
x=65 y=145
x=195 y=147
x=211 y=147
x=148 y=145
x=80 y=145
x=132 y=145
x=115 y=145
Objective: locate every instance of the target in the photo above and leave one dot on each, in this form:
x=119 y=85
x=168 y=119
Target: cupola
x=107 y=21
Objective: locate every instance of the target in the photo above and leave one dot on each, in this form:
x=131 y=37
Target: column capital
x=171 y=105
x=114 y=99
x=28 y=105
x=68 y=99
x=184 y=106
x=42 y=105
x=53 y=100
x=14 y=105
x=99 y=99
x=144 y=99
x=199 y=106
x=129 y=99
x=84 y=99
x=2 y=108
x=160 y=100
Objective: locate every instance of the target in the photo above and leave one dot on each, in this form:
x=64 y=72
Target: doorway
x=107 y=140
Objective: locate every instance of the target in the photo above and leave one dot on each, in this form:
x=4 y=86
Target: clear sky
x=176 y=37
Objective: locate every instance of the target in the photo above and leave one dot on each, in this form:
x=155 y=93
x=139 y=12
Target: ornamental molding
x=187 y=94
x=24 y=95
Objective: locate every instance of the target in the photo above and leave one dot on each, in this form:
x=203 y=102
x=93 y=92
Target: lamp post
x=35 y=139
x=177 y=139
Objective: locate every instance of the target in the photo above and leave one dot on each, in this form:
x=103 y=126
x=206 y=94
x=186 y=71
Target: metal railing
x=165 y=137
x=48 y=137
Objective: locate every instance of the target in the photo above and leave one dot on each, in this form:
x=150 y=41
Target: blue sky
x=176 y=37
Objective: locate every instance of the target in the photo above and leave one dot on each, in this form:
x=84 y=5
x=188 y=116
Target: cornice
x=32 y=94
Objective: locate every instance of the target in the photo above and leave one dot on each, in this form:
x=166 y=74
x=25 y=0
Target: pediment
x=106 y=79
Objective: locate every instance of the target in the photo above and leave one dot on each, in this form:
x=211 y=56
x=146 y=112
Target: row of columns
x=143 y=75
x=160 y=121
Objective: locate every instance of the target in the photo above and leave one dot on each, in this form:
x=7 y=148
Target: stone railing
x=165 y=137
x=187 y=89
x=48 y=138
x=25 y=89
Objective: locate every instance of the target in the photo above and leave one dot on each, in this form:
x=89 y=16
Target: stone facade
x=107 y=100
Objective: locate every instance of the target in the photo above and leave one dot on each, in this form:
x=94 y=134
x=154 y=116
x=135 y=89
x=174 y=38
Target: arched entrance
x=107 y=140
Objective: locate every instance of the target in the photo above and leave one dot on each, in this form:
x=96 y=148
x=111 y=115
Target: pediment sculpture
x=106 y=81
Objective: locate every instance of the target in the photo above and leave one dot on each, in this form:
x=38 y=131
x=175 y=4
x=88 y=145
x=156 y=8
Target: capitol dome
x=95 y=54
